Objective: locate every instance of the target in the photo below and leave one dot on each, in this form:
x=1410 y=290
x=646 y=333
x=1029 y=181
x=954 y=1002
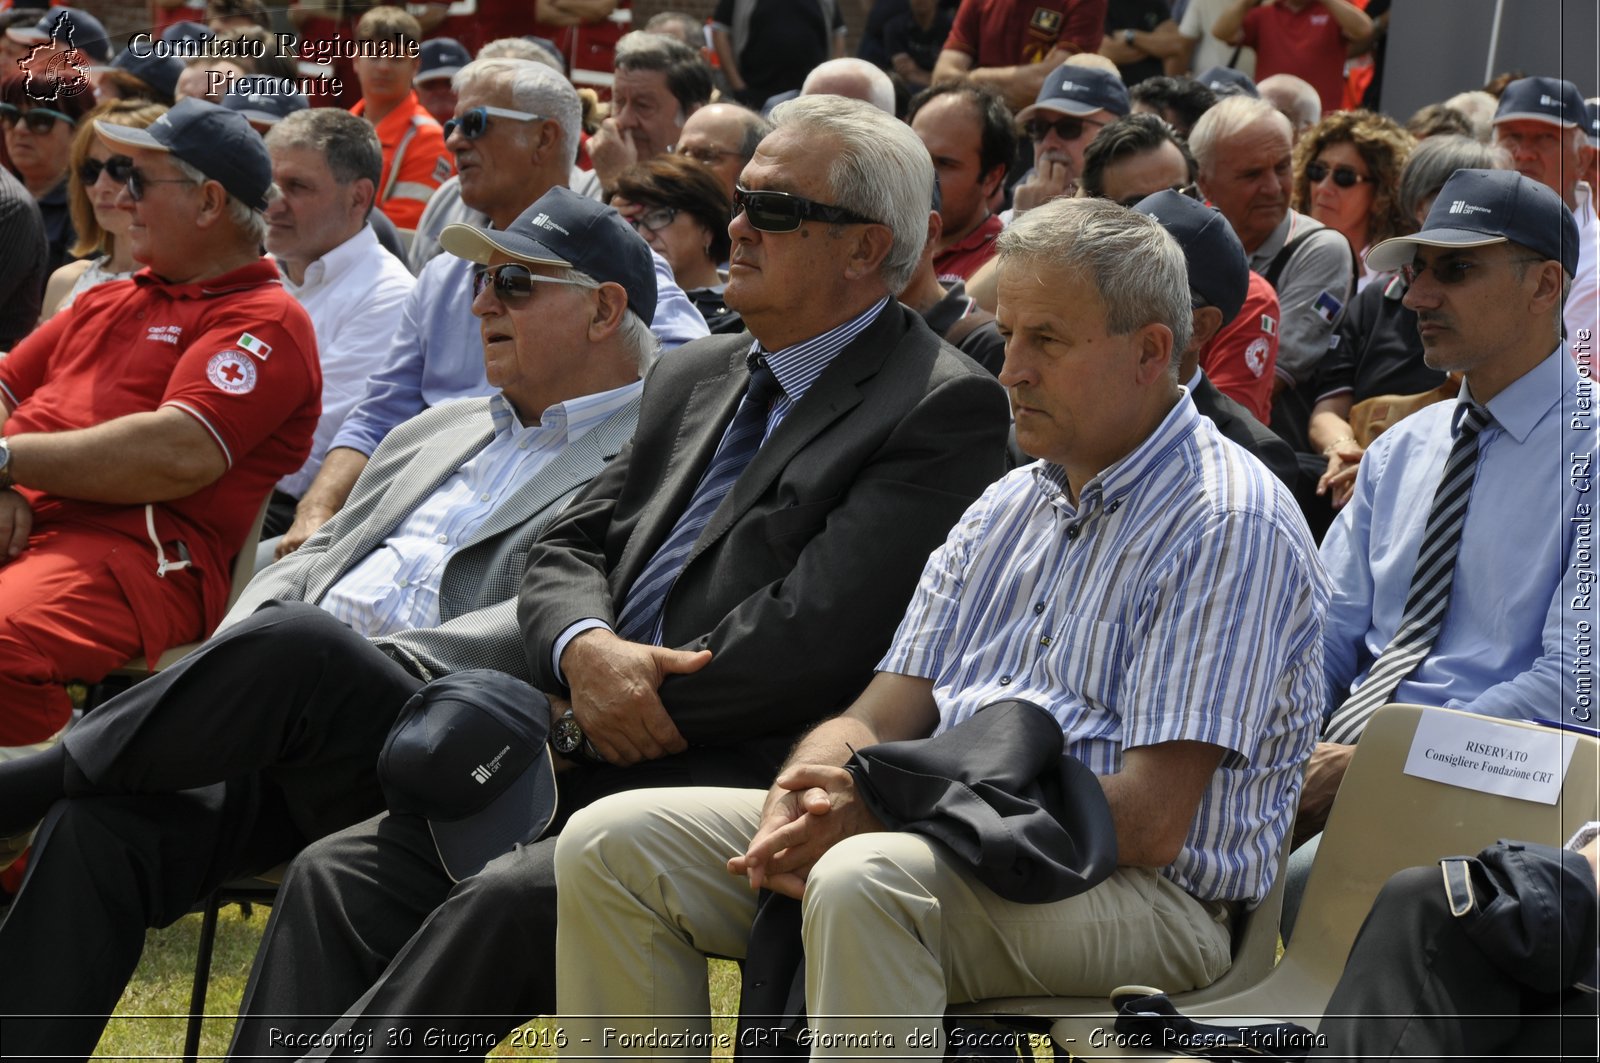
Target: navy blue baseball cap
x=1226 y=81
x=1476 y=208
x=441 y=57
x=1218 y=270
x=70 y=27
x=263 y=98
x=563 y=228
x=1591 y=121
x=160 y=72
x=1078 y=91
x=190 y=37
x=214 y=140
x=1541 y=100
x=468 y=754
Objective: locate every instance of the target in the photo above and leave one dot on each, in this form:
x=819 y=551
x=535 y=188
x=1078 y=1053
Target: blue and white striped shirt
x=396 y=587
x=1181 y=599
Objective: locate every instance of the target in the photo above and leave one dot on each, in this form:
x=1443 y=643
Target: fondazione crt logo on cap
x=56 y=69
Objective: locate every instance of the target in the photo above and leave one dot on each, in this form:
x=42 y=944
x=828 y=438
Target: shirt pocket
x=1088 y=659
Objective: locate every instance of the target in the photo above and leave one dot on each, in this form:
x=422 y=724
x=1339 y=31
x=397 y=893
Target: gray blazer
x=477 y=595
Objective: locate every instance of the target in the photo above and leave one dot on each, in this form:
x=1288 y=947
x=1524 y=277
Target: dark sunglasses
x=780 y=212
x=1066 y=128
x=1452 y=270
x=121 y=169
x=91 y=169
x=475 y=123
x=39 y=120
x=1192 y=191
x=1343 y=176
x=513 y=282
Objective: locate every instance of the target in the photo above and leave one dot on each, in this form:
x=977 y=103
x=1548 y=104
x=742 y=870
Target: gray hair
x=535 y=88
x=1136 y=266
x=879 y=89
x=1231 y=116
x=1301 y=103
x=347 y=143
x=250 y=223
x=1432 y=163
x=881 y=171
x=1479 y=107
x=634 y=335
x=520 y=48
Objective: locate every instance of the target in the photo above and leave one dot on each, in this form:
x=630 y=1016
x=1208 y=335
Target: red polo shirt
x=1241 y=357
x=961 y=259
x=236 y=352
x=1306 y=43
x=1015 y=32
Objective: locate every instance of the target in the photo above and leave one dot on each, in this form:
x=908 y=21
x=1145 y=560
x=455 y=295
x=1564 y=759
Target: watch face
x=566 y=736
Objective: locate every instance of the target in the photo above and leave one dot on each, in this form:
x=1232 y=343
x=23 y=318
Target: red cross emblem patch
x=232 y=371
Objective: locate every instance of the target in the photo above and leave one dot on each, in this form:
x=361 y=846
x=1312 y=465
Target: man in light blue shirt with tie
x=1463 y=566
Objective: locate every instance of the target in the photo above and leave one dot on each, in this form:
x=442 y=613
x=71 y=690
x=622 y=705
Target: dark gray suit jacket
x=799 y=580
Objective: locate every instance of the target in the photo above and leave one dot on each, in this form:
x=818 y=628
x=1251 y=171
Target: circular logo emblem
x=1255 y=356
x=232 y=371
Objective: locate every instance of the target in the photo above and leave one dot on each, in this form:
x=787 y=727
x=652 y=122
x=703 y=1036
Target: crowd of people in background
x=651 y=375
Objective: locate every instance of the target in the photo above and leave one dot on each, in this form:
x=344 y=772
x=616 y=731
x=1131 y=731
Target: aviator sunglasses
x=39 y=120
x=780 y=212
x=475 y=123
x=1343 y=176
x=513 y=282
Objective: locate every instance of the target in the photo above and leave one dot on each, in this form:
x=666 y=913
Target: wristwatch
x=5 y=464
x=566 y=735
x=1127 y=38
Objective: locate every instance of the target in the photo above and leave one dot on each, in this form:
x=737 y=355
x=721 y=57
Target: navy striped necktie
x=1430 y=585
x=641 y=616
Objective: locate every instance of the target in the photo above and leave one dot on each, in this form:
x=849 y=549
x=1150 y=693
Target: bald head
x=854 y=79
x=724 y=137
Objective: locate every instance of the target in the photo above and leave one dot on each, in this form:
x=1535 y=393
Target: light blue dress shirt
x=437 y=354
x=1513 y=640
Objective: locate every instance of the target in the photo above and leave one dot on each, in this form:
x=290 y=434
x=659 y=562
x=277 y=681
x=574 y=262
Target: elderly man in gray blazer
x=268 y=737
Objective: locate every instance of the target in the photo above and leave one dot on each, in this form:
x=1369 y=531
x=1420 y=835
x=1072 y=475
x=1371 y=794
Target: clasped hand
x=809 y=810
x=615 y=697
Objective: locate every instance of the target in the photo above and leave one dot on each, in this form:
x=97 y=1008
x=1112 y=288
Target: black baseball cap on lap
x=468 y=753
x=1477 y=208
x=214 y=140
x=1218 y=270
x=563 y=228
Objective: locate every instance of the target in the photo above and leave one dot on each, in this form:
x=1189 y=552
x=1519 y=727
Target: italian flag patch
x=249 y=343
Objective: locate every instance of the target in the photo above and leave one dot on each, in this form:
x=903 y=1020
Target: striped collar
x=1119 y=478
x=574 y=416
x=797 y=367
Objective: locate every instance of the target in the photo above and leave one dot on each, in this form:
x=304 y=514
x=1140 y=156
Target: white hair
x=1227 y=119
x=250 y=223
x=535 y=88
x=866 y=81
x=641 y=344
x=881 y=171
x=1479 y=108
x=520 y=48
x=1295 y=97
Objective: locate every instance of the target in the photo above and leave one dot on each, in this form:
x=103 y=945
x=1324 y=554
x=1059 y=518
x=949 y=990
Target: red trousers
x=78 y=602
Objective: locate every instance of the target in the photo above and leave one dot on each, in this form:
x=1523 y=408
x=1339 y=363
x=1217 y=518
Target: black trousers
x=225 y=764
x=1417 y=987
x=368 y=924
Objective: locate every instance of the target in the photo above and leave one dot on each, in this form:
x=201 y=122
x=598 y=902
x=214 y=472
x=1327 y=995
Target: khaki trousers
x=895 y=929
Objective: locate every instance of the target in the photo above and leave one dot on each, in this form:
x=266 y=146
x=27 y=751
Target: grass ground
x=150 y=1021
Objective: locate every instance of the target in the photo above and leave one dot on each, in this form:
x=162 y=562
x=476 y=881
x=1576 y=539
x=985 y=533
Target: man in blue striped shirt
x=1147 y=582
